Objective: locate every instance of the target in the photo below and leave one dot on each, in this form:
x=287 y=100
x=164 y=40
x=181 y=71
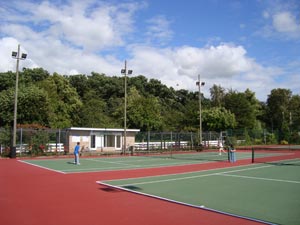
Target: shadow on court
x=110 y=189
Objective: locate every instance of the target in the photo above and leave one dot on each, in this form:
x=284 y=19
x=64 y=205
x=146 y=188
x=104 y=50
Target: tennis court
x=97 y=164
x=267 y=193
x=171 y=189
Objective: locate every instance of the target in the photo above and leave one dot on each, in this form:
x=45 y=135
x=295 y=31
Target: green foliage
x=217 y=94
x=218 y=119
x=97 y=100
x=34 y=75
x=33 y=105
x=257 y=141
x=284 y=142
x=277 y=107
x=93 y=114
x=80 y=83
x=243 y=106
x=7 y=106
x=294 y=113
x=65 y=104
x=5 y=138
x=38 y=142
x=247 y=138
x=271 y=138
x=143 y=112
x=7 y=80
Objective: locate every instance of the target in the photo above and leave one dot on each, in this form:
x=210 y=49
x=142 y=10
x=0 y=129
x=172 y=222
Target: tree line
x=96 y=100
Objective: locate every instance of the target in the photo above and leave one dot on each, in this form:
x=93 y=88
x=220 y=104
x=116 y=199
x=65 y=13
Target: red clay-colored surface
x=33 y=196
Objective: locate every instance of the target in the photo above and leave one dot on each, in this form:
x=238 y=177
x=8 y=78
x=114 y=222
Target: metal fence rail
x=38 y=141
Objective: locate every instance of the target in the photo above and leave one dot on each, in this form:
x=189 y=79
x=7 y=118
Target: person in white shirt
x=221 y=148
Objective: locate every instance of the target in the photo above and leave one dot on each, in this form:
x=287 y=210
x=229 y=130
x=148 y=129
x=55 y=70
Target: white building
x=99 y=139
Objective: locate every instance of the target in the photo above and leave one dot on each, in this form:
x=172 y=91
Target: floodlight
x=24 y=56
x=16 y=55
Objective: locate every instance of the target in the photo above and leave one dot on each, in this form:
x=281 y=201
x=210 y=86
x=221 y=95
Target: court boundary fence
x=49 y=141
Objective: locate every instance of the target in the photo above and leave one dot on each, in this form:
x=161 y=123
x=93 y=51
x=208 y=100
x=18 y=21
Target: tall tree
x=33 y=106
x=217 y=94
x=243 y=109
x=93 y=113
x=65 y=104
x=7 y=80
x=294 y=115
x=80 y=83
x=277 y=107
x=218 y=119
x=34 y=75
x=143 y=112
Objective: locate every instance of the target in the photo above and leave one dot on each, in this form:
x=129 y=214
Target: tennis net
x=279 y=155
x=203 y=155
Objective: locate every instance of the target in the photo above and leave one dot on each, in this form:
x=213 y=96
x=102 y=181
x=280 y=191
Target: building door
x=93 y=142
x=96 y=142
x=99 y=142
x=118 y=142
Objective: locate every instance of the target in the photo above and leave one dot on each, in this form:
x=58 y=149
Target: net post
x=252 y=155
x=228 y=153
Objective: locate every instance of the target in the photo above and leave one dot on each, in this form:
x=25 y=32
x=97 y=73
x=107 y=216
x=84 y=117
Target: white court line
x=129 y=166
x=206 y=175
x=260 y=178
x=192 y=177
x=102 y=161
x=185 y=204
x=43 y=167
x=148 y=165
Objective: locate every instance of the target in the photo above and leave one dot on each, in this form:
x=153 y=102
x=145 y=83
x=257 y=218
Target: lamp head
x=23 y=56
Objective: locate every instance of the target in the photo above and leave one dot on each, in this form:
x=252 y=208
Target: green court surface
x=267 y=193
x=134 y=162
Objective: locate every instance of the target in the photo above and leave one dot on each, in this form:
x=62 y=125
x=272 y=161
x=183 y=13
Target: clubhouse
x=99 y=139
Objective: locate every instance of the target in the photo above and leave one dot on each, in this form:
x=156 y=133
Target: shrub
x=284 y=142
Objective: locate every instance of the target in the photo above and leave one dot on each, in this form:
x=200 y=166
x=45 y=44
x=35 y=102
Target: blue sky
x=243 y=44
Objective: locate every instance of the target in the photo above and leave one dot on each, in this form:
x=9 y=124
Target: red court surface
x=34 y=196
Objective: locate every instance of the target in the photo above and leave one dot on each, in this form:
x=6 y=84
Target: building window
x=112 y=141
x=118 y=141
x=93 y=141
x=109 y=141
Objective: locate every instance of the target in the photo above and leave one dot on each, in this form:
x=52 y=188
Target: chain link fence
x=191 y=140
x=36 y=142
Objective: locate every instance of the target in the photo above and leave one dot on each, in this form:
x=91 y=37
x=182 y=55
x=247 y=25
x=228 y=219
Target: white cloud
x=285 y=22
x=63 y=39
x=159 y=29
x=266 y=14
x=84 y=24
x=7 y=46
x=226 y=65
x=281 y=20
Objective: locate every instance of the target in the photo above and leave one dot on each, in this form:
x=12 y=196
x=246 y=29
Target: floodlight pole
x=16 y=55
x=199 y=83
x=16 y=100
x=125 y=72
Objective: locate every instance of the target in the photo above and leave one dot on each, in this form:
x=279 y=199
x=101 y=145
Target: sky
x=238 y=45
